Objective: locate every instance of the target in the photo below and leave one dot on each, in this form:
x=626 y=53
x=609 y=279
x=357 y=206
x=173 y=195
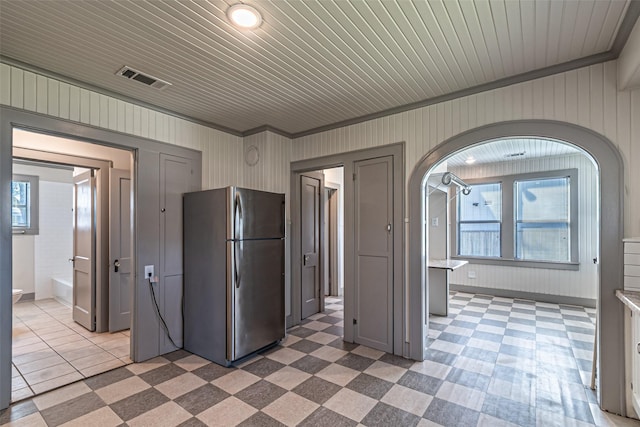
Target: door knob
x=116 y=265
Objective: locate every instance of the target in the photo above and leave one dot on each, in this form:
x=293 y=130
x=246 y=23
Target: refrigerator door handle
x=238 y=220
x=235 y=263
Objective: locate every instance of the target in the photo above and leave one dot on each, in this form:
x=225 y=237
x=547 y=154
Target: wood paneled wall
x=587 y=97
x=221 y=152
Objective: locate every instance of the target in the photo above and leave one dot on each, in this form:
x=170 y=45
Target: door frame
x=611 y=378
x=101 y=168
x=145 y=328
x=347 y=160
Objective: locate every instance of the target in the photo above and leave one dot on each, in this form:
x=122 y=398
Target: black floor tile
x=260 y=394
x=317 y=390
x=370 y=386
x=305 y=346
x=468 y=379
x=138 y=404
x=212 y=371
x=162 y=374
x=479 y=354
x=263 y=367
x=322 y=417
x=260 y=419
x=383 y=415
x=450 y=414
x=397 y=361
x=74 y=408
x=355 y=361
x=310 y=364
x=108 y=378
x=201 y=398
x=509 y=410
x=420 y=382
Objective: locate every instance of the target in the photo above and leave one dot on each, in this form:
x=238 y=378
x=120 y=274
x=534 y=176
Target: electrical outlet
x=148 y=272
x=471 y=274
x=434 y=221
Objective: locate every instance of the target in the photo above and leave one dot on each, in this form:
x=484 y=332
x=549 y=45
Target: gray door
x=175 y=178
x=256 y=297
x=120 y=224
x=310 y=222
x=84 y=262
x=373 y=305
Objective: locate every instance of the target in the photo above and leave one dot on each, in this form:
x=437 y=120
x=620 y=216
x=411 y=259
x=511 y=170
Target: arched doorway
x=610 y=313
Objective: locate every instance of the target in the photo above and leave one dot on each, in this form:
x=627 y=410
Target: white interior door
x=84 y=263
x=120 y=245
x=373 y=192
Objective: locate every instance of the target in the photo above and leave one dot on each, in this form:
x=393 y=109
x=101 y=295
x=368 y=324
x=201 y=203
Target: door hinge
x=354 y=176
x=631 y=386
x=355 y=321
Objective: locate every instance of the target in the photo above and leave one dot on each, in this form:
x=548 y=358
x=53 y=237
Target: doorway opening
x=373 y=291
x=524 y=208
x=322 y=240
x=609 y=202
x=72 y=267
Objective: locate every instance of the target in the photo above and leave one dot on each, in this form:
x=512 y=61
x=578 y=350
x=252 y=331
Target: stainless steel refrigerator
x=233 y=272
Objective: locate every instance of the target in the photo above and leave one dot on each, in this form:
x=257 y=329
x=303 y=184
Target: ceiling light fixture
x=470 y=160
x=244 y=17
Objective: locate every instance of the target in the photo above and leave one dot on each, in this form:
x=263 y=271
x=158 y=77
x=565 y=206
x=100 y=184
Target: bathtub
x=63 y=290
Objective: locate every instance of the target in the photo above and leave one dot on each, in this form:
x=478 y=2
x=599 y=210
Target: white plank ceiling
x=511 y=149
x=311 y=63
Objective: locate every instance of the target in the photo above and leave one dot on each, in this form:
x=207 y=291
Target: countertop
x=629 y=298
x=449 y=264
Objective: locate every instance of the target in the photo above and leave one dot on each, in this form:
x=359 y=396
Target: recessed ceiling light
x=244 y=16
x=470 y=160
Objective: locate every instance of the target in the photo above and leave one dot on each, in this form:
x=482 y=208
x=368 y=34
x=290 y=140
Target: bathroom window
x=24 y=204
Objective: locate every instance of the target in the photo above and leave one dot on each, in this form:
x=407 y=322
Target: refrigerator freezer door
x=257 y=296
x=255 y=214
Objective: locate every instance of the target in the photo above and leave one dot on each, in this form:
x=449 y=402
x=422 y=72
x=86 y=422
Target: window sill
x=505 y=262
x=24 y=232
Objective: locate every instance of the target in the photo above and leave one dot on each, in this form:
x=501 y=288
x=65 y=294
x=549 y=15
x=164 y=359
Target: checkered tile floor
x=492 y=362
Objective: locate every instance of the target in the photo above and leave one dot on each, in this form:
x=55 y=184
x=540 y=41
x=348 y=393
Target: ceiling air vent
x=511 y=155
x=136 y=75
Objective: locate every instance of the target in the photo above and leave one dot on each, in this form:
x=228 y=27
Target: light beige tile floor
x=51 y=350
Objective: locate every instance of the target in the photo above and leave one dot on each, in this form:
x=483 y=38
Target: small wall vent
x=131 y=74
x=519 y=154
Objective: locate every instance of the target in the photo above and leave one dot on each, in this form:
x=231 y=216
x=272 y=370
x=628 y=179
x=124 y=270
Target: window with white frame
x=24 y=204
x=529 y=218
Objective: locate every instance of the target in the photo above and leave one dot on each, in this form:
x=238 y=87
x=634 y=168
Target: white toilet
x=15 y=295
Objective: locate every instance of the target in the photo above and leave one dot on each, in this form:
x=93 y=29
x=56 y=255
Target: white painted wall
x=581 y=283
x=23 y=273
x=40 y=258
x=54 y=244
